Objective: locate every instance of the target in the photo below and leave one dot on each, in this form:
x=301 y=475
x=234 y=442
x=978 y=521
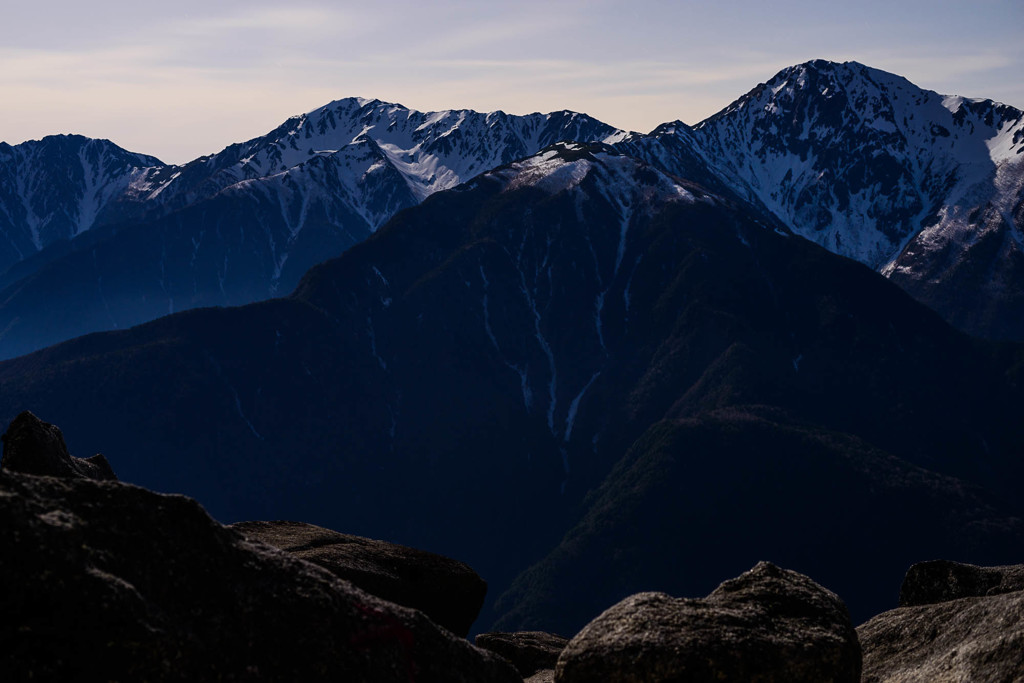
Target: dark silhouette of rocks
x=768 y=624
x=941 y=580
x=530 y=651
x=36 y=447
x=446 y=590
x=976 y=639
x=107 y=581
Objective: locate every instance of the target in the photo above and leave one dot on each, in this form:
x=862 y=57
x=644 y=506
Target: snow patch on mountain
x=625 y=181
x=549 y=171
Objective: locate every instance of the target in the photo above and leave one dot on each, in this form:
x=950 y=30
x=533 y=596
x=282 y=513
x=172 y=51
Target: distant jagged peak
x=343 y=121
x=853 y=73
x=819 y=77
x=55 y=147
x=820 y=99
x=857 y=159
x=375 y=106
x=818 y=88
x=839 y=73
x=433 y=151
x=59 y=187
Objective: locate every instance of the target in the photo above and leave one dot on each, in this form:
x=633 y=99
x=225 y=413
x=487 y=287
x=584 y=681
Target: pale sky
x=182 y=79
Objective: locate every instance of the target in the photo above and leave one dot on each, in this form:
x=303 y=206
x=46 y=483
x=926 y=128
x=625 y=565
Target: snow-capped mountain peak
x=58 y=187
x=920 y=186
x=244 y=224
x=835 y=151
x=431 y=151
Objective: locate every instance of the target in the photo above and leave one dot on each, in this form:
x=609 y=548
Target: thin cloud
x=279 y=19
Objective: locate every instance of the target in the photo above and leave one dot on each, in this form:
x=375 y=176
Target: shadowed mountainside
x=462 y=379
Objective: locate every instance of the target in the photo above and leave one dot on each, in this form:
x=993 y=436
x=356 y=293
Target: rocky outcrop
x=956 y=622
x=446 y=590
x=530 y=651
x=768 y=624
x=941 y=580
x=36 y=447
x=978 y=639
x=107 y=581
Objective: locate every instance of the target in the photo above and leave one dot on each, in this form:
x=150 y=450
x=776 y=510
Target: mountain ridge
x=461 y=380
x=245 y=224
x=926 y=188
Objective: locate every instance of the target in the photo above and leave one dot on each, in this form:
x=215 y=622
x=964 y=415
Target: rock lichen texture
x=446 y=590
x=956 y=622
x=769 y=624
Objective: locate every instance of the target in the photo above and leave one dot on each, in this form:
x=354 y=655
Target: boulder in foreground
x=978 y=638
x=767 y=625
x=107 y=581
x=446 y=590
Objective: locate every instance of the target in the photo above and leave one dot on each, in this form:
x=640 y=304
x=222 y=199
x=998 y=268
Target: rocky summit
x=768 y=624
x=446 y=590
